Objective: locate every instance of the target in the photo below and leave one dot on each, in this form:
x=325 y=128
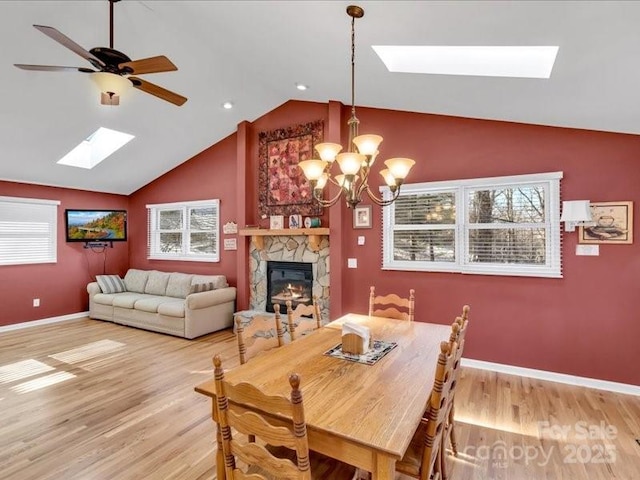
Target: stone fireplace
x=289 y=249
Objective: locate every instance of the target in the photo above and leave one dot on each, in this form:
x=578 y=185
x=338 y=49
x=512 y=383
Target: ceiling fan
x=114 y=68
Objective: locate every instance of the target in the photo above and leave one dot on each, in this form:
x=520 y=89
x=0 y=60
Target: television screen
x=96 y=225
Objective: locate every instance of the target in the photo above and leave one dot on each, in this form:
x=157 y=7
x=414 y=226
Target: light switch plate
x=361 y=240
x=352 y=262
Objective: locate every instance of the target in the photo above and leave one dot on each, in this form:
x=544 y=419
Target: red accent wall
x=209 y=175
x=584 y=324
x=62 y=286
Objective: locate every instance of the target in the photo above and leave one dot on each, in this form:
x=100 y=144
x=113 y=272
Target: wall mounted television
x=96 y=225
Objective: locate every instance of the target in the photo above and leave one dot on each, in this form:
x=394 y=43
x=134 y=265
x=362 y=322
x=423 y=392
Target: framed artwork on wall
x=282 y=187
x=362 y=216
x=613 y=224
x=295 y=221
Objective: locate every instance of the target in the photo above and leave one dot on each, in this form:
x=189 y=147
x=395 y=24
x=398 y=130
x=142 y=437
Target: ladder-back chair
x=392 y=305
x=289 y=438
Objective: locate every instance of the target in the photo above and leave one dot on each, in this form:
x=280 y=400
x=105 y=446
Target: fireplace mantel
x=257 y=235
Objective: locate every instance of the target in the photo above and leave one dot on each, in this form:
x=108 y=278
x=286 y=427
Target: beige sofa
x=163 y=302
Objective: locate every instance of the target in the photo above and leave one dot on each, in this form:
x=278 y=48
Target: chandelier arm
x=380 y=201
x=327 y=203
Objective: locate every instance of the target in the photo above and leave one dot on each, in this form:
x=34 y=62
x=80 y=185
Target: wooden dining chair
x=263 y=333
x=422 y=458
x=259 y=460
x=303 y=318
x=458 y=336
x=392 y=305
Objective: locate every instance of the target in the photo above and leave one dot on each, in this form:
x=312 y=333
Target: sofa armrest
x=93 y=288
x=196 y=301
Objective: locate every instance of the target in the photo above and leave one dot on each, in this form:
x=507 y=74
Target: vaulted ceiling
x=252 y=53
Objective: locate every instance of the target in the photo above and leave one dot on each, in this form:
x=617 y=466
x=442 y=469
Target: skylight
x=98 y=146
x=520 y=62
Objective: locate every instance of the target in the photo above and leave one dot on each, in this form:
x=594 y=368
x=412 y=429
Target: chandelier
x=355 y=164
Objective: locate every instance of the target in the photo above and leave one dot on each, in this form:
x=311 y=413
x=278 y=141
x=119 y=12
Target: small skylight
x=519 y=62
x=98 y=146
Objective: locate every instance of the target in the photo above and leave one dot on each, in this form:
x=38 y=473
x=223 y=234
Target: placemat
x=375 y=353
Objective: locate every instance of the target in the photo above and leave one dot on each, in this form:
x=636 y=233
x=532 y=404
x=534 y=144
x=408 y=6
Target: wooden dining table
x=364 y=415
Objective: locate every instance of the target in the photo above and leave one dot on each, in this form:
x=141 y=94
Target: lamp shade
x=399 y=167
x=312 y=169
x=367 y=144
x=350 y=162
x=328 y=151
x=111 y=82
x=576 y=211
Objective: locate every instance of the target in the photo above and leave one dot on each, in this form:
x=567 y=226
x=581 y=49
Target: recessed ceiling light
x=520 y=62
x=301 y=86
x=98 y=146
x=227 y=105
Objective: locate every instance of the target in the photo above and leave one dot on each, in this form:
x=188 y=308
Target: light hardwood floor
x=87 y=399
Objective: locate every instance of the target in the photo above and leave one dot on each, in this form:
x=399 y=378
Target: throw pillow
x=111 y=283
x=201 y=287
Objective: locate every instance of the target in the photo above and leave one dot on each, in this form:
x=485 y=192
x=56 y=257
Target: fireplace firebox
x=289 y=281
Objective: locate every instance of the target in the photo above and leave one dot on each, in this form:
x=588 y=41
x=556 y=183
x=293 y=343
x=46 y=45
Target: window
x=184 y=231
x=28 y=231
x=496 y=226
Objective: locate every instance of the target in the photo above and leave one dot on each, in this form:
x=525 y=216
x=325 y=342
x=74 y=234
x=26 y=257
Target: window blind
x=499 y=225
x=28 y=231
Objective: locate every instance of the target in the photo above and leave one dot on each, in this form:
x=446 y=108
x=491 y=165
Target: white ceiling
x=253 y=53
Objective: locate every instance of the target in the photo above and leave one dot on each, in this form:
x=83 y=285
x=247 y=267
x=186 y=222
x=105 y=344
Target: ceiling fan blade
x=65 y=41
x=149 y=65
x=159 y=92
x=52 y=68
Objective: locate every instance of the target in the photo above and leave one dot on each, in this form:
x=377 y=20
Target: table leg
x=385 y=467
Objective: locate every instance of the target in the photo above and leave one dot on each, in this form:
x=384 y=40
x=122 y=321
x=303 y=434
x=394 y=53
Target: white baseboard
x=44 y=321
x=553 y=377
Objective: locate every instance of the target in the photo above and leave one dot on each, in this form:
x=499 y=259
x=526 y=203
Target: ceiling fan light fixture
x=111 y=83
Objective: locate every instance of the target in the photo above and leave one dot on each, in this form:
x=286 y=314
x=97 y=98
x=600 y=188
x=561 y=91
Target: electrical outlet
x=352 y=263
x=36 y=302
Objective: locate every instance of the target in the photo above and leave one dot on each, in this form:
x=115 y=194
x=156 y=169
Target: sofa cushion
x=111 y=283
x=172 y=309
x=201 y=287
x=135 y=280
x=156 y=283
x=150 y=304
x=105 y=298
x=179 y=285
x=219 y=281
x=127 y=299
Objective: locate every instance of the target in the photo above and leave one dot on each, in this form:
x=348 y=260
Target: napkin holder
x=355 y=339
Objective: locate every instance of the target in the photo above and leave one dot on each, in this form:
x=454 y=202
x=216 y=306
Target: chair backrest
x=438 y=409
x=263 y=333
x=232 y=415
x=303 y=318
x=389 y=305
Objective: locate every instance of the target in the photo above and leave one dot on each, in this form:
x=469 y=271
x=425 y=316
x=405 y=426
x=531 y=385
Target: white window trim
x=553 y=240
x=152 y=215
x=6 y=202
